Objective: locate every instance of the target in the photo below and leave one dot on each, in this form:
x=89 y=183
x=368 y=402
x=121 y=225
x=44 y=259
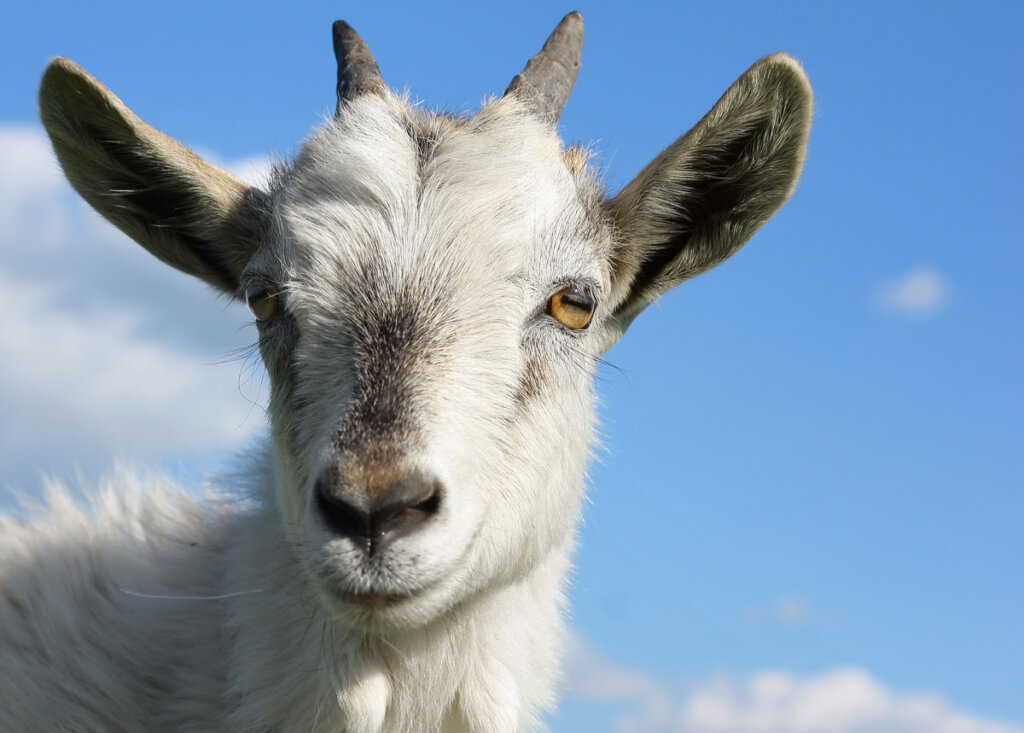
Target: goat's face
x=431 y=413
x=432 y=295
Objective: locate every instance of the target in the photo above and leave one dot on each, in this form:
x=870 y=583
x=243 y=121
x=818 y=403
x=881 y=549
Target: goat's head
x=432 y=294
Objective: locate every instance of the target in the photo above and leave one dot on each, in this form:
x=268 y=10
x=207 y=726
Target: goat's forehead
x=387 y=185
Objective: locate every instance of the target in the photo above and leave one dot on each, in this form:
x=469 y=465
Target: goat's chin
x=380 y=612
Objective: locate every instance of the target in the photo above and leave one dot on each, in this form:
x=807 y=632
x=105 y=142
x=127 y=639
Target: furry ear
x=702 y=198
x=192 y=215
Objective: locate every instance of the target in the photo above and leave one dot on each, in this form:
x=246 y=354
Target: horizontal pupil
x=577 y=300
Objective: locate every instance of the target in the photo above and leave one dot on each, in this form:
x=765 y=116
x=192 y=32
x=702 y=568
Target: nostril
x=397 y=510
x=406 y=506
x=431 y=504
x=340 y=516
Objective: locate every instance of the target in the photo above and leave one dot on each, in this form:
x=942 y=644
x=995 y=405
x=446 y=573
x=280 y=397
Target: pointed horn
x=358 y=72
x=547 y=81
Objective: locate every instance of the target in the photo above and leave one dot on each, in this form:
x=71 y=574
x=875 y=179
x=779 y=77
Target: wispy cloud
x=792 y=611
x=842 y=700
x=921 y=292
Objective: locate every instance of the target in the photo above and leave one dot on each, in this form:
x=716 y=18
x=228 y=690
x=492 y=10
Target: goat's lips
x=381 y=597
x=373 y=600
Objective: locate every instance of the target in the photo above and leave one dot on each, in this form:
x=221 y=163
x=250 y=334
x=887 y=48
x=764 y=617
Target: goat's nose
x=396 y=511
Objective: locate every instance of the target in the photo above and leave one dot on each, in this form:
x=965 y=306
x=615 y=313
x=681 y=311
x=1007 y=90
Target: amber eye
x=572 y=308
x=262 y=301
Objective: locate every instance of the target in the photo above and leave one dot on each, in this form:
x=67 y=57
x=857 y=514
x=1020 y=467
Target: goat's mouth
x=375 y=597
x=379 y=611
x=374 y=601
x=366 y=585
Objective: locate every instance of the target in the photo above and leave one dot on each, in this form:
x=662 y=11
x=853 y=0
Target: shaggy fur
x=413 y=258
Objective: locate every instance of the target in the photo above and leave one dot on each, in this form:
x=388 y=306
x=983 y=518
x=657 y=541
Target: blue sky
x=811 y=493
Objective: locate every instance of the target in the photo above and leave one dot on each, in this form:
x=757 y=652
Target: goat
x=432 y=294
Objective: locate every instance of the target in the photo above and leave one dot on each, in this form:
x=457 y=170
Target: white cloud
x=843 y=700
x=78 y=384
x=921 y=292
x=846 y=700
x=104 y=351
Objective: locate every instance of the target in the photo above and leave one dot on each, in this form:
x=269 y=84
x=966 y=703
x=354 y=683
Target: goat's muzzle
x=394 y=511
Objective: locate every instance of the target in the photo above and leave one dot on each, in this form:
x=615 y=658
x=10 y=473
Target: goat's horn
x=547 y=81
x=358 y=72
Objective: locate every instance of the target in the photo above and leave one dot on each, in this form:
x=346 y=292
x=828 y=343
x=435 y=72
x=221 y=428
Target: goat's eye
x=572 y=308
x=262 y=300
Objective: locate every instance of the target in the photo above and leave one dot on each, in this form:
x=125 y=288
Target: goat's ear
x=702 y=198
x=192 y=215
